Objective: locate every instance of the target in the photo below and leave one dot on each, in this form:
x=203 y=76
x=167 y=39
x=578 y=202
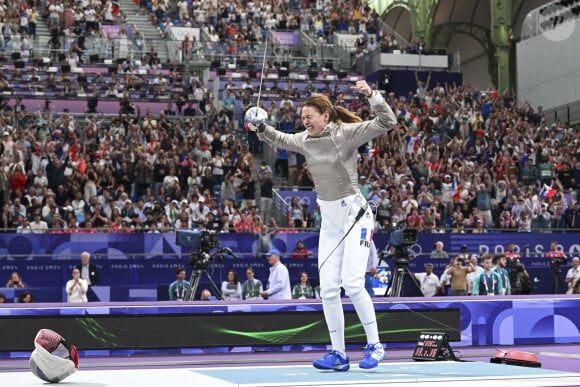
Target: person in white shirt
x=428 y=280
x=38 y=226
x=76 y=288
x=573 y=273
x=473 y=275
x=279 y=279
x=371 y=271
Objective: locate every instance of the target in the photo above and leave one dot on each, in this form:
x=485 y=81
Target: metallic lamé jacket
x=331 y=158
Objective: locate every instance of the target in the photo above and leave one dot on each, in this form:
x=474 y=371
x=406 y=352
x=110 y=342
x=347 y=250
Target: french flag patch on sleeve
x=366 y=236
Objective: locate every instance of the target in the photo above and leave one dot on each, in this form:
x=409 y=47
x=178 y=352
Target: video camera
x=401 y=240
x=404 y=237
x=201 y=245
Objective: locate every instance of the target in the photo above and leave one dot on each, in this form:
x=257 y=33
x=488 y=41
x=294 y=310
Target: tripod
x=557 y=280
x=396 y=286
x=194 y=283
x=401 y=260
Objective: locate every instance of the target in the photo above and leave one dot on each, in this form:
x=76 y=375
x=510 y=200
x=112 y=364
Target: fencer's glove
x=257 y=127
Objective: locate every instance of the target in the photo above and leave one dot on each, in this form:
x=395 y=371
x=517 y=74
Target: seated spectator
x=300 y=251
x=207 y=296
x=25 y=298
x=438 y=252
x=15 y=281
x=76 y=288
x=2 y=298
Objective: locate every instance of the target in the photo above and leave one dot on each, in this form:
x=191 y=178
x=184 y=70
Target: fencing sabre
x=256 y=115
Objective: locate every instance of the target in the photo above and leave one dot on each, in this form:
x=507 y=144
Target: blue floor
x=388 y=372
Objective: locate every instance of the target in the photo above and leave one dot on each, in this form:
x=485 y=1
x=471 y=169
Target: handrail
x=400 y=40
x=303 y=229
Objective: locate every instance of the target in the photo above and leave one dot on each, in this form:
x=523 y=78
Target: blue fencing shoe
x=332 y=361
x=374 y=354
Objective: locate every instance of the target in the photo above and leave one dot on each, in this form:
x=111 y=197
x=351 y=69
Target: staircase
x=40 y=44
x=142 y=21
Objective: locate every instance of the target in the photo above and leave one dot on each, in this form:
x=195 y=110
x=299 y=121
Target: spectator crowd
x=461 y=158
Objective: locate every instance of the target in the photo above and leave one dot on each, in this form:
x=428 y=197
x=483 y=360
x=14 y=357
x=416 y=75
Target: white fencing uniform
x=332 y=160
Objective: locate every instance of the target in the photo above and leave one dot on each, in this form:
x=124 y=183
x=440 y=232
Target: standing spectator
x=484 y=203
x=232 y=289
x=428 y=280
x=572 y=216
x=279 y=279
x=371 y=271
x=471 y=276
x=228 y=188
x=55 y=172
x=489 y=282
x=89 y=271
x=500 y=268
x=248 y=190
x=178 y=288
x=252 y=288
x=266 y=195
x=4 y=187
x=229 y=104
x=17 y=179
x=302 y=290
x=458 y=274
x=76 y=288
x=573 y=273
x=263 y=235
x=15 y=281
x=295 y=215
x=547 y=172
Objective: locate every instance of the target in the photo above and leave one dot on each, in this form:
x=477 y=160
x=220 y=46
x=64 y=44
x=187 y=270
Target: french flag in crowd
x=410 y=117
x=548 y=192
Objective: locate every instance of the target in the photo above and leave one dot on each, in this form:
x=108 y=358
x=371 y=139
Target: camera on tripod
x=201 y=245
x=205 y=249
x=399 y=250
x=401 y=240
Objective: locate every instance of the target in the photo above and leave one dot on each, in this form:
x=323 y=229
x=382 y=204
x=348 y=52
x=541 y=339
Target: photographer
x=518 y=276
x=15 y=281
x=458 y=274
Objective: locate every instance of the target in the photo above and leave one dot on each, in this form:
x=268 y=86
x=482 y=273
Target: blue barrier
x=151 y=259
x=501 y=320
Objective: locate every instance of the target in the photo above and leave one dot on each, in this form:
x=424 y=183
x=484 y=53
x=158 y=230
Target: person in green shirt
x=252 y=288
x=302 y=290
x=178 y=288
x=529 y=173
